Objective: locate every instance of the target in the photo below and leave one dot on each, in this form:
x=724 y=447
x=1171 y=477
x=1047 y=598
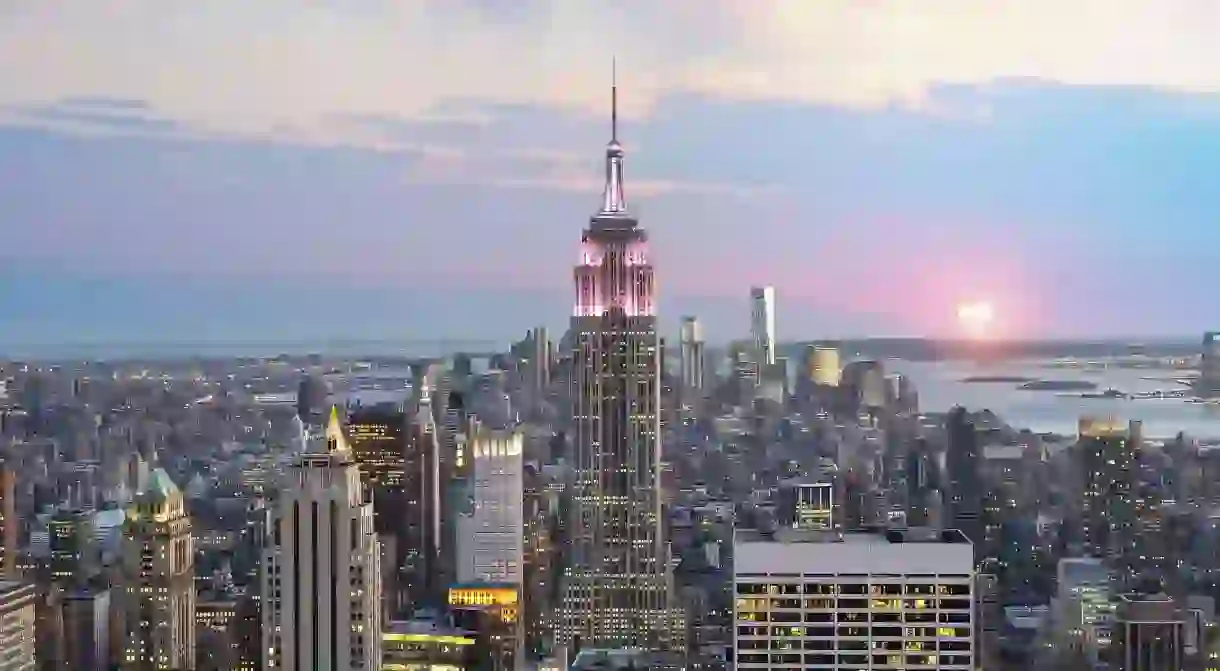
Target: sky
x=421 y=169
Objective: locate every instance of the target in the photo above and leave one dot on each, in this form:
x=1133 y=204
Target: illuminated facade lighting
x=616 y=584
x=159 y=567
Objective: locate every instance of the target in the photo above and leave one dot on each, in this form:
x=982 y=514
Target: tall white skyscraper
x=321 y=580
x=491 y=535
x=762 y=324
x=691 y=355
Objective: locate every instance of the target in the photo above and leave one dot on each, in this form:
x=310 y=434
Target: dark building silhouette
x=311 y=397
x=965 y=495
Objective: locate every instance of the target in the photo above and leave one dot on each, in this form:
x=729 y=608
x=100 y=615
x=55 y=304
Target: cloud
x=550 y=171
x=293 y=70
x=95 y=116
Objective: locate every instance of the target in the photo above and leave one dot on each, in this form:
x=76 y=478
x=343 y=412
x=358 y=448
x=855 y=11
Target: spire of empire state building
x=616 y=580
x=613 y=202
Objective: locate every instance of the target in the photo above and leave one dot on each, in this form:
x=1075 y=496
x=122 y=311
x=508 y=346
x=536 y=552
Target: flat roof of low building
x=873 y=552
x=626 y=658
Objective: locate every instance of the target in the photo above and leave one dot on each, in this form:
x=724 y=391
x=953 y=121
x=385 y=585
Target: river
x=941 y=387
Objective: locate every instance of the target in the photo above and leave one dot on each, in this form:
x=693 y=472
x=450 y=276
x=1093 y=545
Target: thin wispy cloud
x=874 y=158
x=228 y=65
x=95 y=117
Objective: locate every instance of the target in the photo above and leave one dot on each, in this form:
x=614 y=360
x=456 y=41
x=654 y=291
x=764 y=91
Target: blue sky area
x=154 y=190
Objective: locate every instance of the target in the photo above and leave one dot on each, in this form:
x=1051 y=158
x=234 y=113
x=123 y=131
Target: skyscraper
x=822 y=365
x=539 y=364
x=321 y=576
x=762 y=324
x=378 y=444
x=311 y=396
x=1106 y=455
x=377 y=438
x=616 y=578
x=1150 y=633
x=423 y=575
x=962 y=464
x=691 y=356
x=491 y=537
x=1208 y=383
x=159 y=567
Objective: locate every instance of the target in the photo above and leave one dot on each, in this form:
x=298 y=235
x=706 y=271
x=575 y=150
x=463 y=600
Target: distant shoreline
x=907 y=349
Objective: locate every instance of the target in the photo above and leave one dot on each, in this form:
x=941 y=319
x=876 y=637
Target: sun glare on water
x=976 y=318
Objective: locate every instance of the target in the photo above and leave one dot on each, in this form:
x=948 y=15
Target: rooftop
x=867 y=552
x=1148 y=608
x=161 y=486
x=625 y=658
x=422 y=627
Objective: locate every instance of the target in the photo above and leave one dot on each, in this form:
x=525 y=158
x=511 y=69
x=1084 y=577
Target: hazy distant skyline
x=279 y=170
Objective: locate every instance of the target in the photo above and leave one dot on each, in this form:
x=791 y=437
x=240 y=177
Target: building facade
x=321 y=567
x=86 y=628
x=491 y=537
x=1149 y=633
x=1106 y=453
x=377 y=437
x=823 y=365
x=878 y=600
x=17 y=618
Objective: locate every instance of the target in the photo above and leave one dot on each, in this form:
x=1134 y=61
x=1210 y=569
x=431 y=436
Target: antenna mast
x=614 y=99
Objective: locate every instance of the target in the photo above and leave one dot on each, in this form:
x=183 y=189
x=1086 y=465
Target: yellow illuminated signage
x=442 y=639
x=482 y=596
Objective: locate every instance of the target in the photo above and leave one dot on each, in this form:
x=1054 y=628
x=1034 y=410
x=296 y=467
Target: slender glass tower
x=762 y=324
x=616 y=581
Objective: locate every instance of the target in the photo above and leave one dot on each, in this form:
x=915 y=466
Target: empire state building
x=616 y=583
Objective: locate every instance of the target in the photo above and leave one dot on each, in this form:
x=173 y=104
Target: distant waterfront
x=941 y=387
x=335 y=347
x=940 y=383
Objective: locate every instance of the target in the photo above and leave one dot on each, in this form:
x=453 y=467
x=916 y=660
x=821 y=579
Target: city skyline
x=155 y=189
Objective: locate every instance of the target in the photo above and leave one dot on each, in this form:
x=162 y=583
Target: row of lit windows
x=887 y=631
x=856 y=660
x=852 y=644
x=763 y=604
x=946 y=621
x=853 y=588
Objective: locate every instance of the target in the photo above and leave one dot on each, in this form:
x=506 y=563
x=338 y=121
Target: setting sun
x=975 y=318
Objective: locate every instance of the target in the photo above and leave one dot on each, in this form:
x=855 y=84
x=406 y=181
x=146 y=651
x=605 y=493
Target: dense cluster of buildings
x=599 y=502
